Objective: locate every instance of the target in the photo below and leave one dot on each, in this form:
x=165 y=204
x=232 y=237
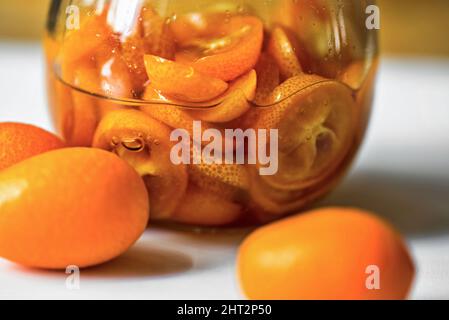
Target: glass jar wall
x=234 y=113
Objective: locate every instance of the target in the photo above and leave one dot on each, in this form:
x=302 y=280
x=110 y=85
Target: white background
x=402 y=173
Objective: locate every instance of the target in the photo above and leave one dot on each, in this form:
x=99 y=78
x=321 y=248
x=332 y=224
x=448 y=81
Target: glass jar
x=235 y=113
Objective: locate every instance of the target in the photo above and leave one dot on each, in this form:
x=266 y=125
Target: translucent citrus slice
x=202 y=208
x=244 y=83
x=283 y=52
x=316 y=122
x=145 y=144
x=229 y=53
x=235 y=101
x=182 y=82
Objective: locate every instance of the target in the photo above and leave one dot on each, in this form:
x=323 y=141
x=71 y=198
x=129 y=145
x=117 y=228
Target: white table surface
x=402 y=173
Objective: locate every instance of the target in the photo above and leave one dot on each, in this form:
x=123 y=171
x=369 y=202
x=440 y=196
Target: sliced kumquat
x=245 y=84
x=235 y=102
x=284 y=53
x=315 y=118
x=172 y=115
x=230 y=53
x=182 y=82
x=177 y=117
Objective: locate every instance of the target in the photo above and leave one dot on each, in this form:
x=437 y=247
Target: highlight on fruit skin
x=326 y=254
x=19 y=141
x=73 y=206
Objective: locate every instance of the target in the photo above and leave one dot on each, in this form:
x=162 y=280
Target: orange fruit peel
x=22 y=141
x=235 y=102
x=182 y=82
x=171 y=115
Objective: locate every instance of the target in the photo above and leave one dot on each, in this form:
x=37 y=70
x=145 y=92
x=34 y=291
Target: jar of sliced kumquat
x=234 y=113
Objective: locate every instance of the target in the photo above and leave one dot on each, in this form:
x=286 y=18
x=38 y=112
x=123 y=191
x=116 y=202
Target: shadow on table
x=138 y=262
x=416 y=205
x=142 y=261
